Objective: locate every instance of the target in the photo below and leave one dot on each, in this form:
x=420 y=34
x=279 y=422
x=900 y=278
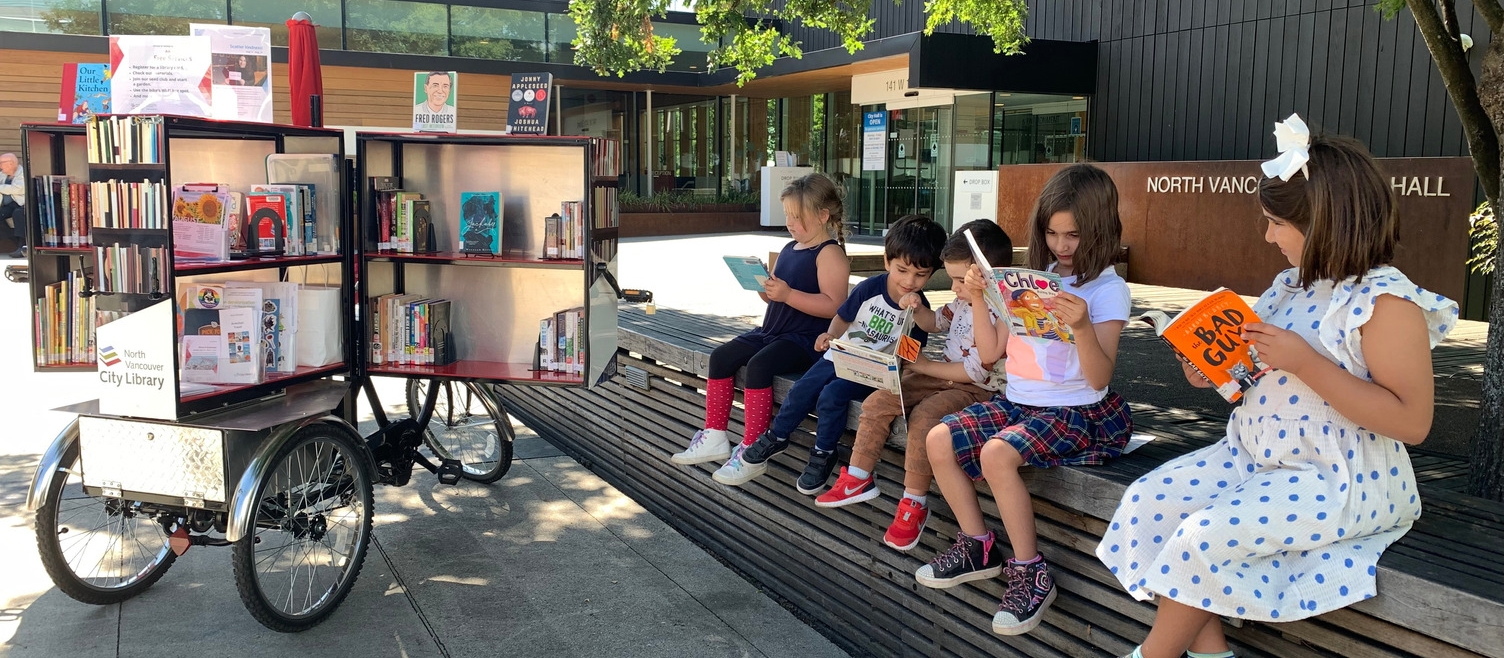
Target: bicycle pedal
x=449 y=471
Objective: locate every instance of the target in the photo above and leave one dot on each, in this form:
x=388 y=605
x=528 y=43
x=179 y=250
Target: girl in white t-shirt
x=1057 y=408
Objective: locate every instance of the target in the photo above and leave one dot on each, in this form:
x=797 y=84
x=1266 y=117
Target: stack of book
x=63 y=210
x=131 y=268
x=296 y=207
x=411 y=330
x=125 y=140
x=564 y=233
x=561 y=342
x=607 y=158
x=397 y=214
x=64 y=324
x=119 y=205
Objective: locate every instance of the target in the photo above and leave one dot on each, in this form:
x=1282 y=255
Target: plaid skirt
x=1087 y=435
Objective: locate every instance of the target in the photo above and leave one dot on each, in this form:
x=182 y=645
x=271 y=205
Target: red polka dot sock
x=718 y=395
x=759 y=404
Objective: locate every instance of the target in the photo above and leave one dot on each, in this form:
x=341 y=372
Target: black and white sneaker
x=817 y=472
x=764 y=448
x=967 y=560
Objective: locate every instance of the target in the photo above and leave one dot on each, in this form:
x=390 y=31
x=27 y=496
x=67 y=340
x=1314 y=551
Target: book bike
x=285 y=481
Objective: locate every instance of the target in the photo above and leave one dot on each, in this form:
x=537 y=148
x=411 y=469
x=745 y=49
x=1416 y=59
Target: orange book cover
x=1209 y=335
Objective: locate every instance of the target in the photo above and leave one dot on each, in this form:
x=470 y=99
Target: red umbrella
x=304 y=75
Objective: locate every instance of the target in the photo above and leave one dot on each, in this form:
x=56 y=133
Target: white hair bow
x=1293 y=139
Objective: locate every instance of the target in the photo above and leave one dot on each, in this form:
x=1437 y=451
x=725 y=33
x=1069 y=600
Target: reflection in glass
x=390 y=26
x=155 y=17
x=505 y=34
x=560 y=32
x=273 y=14
x=50 y=16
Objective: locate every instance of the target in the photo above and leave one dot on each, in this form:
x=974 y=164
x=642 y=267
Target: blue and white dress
x=1287 y=516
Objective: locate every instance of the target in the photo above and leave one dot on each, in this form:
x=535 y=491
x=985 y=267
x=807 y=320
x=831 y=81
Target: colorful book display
x=561 y=342
x=120 y=205
x=125 y=140
x=480 y=222
x=63 y=211
x=411 y=330
x=64 y=324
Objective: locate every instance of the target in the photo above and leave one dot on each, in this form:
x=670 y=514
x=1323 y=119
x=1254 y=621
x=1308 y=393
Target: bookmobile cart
x=277 y=470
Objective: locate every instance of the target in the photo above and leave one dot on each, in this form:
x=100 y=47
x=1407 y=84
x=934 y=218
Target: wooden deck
x=1441 y=587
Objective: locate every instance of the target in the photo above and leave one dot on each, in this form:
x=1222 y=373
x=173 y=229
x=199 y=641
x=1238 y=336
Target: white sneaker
x=736 y=472
x=707 y=446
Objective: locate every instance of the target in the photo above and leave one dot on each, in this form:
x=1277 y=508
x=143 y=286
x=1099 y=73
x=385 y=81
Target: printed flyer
x=160 y=75
x=241 y=61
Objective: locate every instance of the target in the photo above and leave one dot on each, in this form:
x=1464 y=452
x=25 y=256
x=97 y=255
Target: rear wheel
x=310 y=531
x=99 y=550
x=468 y=424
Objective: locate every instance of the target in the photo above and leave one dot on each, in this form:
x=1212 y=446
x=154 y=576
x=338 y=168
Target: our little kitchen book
x=1209 y=336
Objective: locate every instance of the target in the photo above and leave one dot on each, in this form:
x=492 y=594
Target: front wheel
x=99 y=550
x=311 y=529
x=468 y=424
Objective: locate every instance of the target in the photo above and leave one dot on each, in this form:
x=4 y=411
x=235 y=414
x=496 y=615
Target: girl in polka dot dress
x=1286 y=517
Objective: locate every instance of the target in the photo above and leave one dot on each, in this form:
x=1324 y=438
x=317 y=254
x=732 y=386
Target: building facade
x=1105 y=80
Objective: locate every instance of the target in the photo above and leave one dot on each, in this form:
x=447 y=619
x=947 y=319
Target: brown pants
x=928 y=399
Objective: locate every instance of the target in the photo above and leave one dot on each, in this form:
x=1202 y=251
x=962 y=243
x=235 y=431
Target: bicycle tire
x=482 y=445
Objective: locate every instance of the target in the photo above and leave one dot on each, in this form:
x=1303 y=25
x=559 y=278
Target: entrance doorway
x=916 y=180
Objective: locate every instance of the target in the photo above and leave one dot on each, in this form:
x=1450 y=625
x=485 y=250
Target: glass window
x=687 y=37
x=1039 y=128
x=560 y=32
x=507 y=34
x=153 y=17
x=274 y=14
x=50 y=16
x=389 y=26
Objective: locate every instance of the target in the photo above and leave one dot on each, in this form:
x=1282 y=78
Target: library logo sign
x=136 y=365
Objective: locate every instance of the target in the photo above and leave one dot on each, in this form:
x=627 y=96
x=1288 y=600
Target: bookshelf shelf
x=64 y=251
x=67 y=367
x=460 y=258
x=199 y=268
x=274 y=381
x=483 y=371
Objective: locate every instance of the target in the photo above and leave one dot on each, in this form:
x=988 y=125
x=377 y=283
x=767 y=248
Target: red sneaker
x=908 y=523
x=848 y=490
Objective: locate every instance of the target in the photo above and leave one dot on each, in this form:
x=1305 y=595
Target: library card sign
x=527 y=108
x=135 y=358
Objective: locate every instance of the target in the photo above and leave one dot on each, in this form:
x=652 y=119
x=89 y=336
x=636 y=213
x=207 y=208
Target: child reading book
x=809 y=283
x=1286 y=516
x=1057 y=410
x=930 y=391
x=871 y=318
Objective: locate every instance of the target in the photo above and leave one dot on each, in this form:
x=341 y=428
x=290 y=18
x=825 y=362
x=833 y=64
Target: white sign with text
x=135 y=358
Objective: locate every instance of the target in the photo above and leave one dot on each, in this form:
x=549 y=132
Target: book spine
x=545 y=360
x=376 y=315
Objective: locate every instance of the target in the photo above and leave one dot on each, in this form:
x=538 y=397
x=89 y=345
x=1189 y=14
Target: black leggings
x=763 y=362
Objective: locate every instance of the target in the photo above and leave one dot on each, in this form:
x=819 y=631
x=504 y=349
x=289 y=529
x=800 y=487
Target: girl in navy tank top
x=809 y=283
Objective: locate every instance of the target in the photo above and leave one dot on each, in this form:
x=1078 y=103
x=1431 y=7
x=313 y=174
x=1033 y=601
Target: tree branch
x=1493 y=14
x=1482 y=140
x=1449 y=18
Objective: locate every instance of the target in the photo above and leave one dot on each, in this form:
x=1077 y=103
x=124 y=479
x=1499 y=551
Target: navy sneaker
x=764 y=448
x=967 y=560
x=817 y=472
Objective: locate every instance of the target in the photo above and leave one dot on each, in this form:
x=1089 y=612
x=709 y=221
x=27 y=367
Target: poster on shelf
x=85 y=92
x=874 y=141
x=160 y=75
x=241 y=67
x=435 y=95
x=135 y=359
x=527 y=107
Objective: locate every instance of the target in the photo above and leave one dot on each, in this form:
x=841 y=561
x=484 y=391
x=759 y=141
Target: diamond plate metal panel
x=150 y=458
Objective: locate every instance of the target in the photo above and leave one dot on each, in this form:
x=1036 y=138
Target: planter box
x=650 y=224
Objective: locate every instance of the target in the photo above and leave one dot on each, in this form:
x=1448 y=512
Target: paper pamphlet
x=749 y=271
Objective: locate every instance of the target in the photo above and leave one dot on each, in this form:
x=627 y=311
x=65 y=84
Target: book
x=294 y=231
x=85 y=92
x=199 y=230
x=402 y=226
x=441 y=345
x=480 y=222
x=857 y=362
x=424 y=240
x=1209 y=336
x=266 y=224
x=1025 y=297
x=749 y=271
x=553 y=229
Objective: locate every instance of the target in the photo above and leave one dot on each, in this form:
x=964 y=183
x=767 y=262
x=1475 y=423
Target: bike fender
x=243 y=504
x=41 y=482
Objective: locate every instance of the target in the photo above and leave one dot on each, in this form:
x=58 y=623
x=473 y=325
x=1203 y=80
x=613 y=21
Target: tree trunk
x=1486 y=476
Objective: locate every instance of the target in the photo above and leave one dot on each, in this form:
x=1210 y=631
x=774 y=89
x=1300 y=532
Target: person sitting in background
x=13 y=201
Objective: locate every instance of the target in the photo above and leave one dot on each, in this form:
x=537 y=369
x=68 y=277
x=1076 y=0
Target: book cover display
x=527 y=111
x=85 y=93
x=480 y=222
x=1209 y=336
x=435 y=97
x=199 y=229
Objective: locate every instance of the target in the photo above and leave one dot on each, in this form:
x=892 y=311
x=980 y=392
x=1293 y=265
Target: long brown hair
x=1090 y=196
x=1344 y=209
x=816 y=192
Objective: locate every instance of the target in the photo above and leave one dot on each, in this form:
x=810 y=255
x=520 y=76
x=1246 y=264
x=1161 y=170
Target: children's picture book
x=1209 y=336
x=858 y=362
x=85 y=93
x=749 y=271
x=480 y=222
x=1025 y=297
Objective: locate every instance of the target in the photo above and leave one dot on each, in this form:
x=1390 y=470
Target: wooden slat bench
x=1441 y=587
